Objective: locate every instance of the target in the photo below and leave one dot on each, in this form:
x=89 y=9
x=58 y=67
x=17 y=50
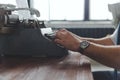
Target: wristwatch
x=83 y=45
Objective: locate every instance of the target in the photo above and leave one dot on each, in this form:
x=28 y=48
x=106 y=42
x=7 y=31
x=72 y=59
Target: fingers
x=61 y=33
x=61 y=36
x=58 y=41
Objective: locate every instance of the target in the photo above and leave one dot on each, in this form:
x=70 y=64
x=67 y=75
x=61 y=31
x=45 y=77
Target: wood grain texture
x=72 y=67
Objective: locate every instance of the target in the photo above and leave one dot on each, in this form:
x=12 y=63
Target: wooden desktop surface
x=72 y=67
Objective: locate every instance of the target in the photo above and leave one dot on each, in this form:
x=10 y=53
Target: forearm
x=103 y=41
x=107 y=55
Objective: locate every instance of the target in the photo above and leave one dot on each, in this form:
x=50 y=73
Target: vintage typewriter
x=23 y=37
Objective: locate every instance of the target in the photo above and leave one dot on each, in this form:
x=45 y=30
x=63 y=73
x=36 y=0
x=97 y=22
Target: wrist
x=83 y=45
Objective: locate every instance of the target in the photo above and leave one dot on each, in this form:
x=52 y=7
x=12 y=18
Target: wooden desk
x=71 y=67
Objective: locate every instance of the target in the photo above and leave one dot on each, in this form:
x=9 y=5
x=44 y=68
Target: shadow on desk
x=71 y=67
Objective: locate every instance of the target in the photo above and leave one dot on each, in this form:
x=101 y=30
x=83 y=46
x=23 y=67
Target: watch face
x=84 y=44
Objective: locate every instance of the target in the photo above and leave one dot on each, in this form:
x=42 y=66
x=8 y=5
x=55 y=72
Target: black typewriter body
x=24 y=38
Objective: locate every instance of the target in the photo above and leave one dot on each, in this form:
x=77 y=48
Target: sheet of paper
x=23 y=14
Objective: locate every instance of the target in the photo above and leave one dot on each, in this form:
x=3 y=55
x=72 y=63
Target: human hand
x=67 y=39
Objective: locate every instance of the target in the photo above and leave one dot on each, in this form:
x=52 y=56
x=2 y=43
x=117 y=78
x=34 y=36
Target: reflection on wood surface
x=72 y=67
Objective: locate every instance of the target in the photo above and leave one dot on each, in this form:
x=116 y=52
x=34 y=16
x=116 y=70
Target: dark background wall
x=92 y=32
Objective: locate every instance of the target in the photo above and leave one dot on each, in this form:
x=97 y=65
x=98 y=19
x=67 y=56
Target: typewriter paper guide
x=45 y=30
